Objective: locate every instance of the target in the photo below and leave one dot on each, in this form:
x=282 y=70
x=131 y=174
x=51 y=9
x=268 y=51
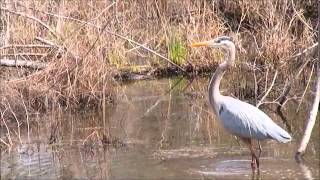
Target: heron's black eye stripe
x=224 y=38
x=220 y=110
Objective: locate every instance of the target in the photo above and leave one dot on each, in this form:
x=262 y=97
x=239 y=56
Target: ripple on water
x=225 y=167
x=186 y=153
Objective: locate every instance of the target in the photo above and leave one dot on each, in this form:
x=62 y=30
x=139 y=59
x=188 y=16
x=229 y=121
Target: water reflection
x=306 y=171
x=160 y=129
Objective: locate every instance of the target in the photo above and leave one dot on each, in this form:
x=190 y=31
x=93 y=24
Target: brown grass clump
x=272 y=24
x=67 y=82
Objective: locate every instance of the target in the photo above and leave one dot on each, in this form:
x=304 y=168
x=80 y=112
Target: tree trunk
x=312 y=117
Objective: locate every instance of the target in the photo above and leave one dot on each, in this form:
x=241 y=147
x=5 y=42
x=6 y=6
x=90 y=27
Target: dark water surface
x=152 y=132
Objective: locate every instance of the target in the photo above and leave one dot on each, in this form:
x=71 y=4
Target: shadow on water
x=161 y=129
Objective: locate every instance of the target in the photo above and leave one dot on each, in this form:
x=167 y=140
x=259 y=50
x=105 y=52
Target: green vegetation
x=116 y=58
x=177 y=52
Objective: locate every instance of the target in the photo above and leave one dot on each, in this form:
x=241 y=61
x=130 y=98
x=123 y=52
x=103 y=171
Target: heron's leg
x=255 y=159
x=259 y=149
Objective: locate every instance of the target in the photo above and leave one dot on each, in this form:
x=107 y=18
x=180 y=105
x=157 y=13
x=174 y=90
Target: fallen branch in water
x=22 y=63
x=311 y=119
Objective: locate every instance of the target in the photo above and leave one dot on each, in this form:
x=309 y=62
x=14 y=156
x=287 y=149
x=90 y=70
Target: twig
x=283 y=97
x=8 y=145
x=243 y=16
x=300 y=17
x=153 y=107
x=301 y=68
x=305 y=89
x=269 y=89
x=305 y=50
x=8 y=130
x=61 y=49
x=16 y=118
x=92 y=134
x=27 y=117
x=47 y=42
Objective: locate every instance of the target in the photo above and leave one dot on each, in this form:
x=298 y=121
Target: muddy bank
x=166 y=72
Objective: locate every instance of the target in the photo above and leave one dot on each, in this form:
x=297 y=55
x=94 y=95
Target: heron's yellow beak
x=198 y=44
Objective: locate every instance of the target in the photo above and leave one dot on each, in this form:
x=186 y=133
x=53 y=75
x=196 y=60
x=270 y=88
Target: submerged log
x=22 y=63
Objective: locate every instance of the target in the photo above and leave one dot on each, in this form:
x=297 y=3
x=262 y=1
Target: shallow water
x=160 y=129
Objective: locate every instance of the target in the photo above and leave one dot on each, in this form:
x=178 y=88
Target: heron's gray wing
x=248 y=121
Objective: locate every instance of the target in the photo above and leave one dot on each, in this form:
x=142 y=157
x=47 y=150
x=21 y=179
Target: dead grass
x=273 y=24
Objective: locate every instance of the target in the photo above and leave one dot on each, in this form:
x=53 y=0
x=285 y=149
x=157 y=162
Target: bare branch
x=47 y=42
x=306 y=50
x=269 y=89
x=305 y=89
x=300 y=17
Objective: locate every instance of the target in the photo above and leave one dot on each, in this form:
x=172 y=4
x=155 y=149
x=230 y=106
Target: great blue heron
x=239 y=118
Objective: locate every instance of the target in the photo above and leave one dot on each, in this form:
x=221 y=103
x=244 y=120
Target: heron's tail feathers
x=280 y=135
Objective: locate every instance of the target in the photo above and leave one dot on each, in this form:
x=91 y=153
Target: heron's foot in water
x=255 y=163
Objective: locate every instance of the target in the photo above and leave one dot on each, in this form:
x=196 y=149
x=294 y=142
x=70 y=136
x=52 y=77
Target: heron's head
x=224 y=43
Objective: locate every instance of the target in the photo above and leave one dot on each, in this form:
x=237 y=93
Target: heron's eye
x=218 y=41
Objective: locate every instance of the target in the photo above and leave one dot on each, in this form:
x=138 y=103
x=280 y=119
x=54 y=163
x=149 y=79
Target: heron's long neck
x=214 y=91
